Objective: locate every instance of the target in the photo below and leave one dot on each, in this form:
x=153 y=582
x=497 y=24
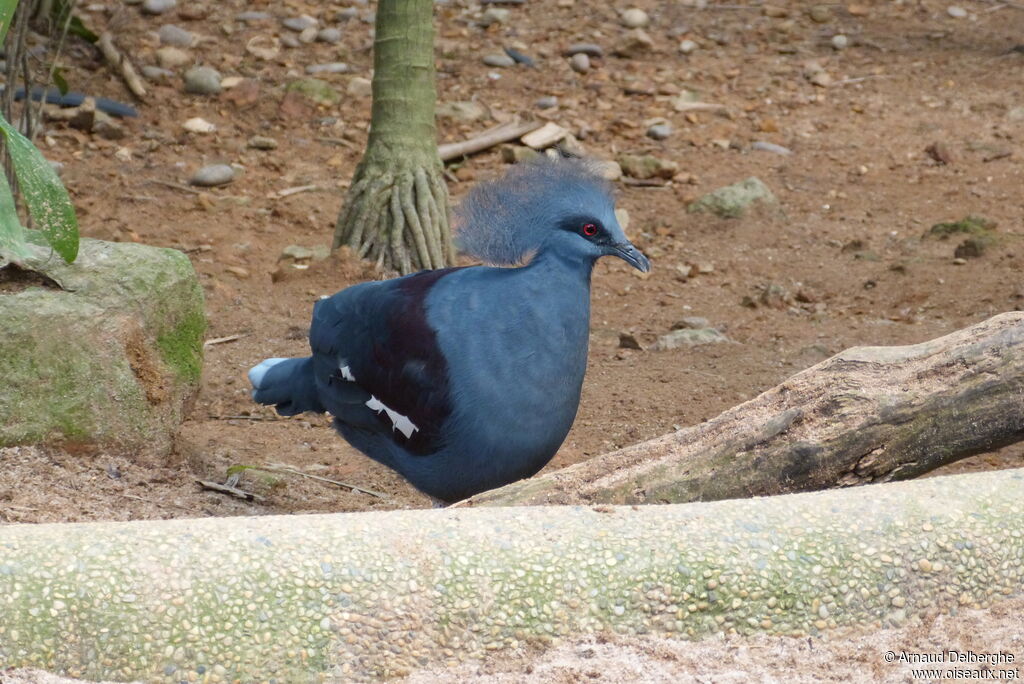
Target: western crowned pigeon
x=466 y=379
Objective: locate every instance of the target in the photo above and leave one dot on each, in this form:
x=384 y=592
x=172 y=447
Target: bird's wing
x=378 y=363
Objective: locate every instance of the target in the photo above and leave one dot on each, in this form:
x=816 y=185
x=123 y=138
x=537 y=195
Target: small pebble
x=957 y=12
x=360 y=87
x=299 y=24
x=158 y=6
x=580 y=63
x=347 y=14
x=329 y=68
x=687 y=46
x=329 y=35
x=213 y=175
x=546 y=102
x=765 y=146
x=820 y=14
x=499 y=61
x=172 y=57
x=635 y=18
x=588 y=49
x=253 y=16
x=308 y=35
x=494 y=15
x=202 y=80
x=840 y=42
x=199 y=125
x=261 y=142
x=289 y=40
x=156 y=74
x=175 y=35
x=659 y=131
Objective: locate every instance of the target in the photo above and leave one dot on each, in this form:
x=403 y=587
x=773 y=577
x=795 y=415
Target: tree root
x=397 y=217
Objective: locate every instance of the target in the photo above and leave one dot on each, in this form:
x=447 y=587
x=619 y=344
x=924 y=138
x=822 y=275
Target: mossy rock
x=109 y=355
x=733 y=201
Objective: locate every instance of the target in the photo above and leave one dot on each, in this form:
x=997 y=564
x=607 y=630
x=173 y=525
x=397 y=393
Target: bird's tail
x=288 y=384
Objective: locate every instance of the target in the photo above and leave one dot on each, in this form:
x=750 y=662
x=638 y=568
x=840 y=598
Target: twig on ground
x=488 y=139
x=229 y=490
x=223 y=340
x=122 y=64
x=176 y=186
x=345 y=485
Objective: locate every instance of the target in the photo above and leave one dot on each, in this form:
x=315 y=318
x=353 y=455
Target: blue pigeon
x=466 y=379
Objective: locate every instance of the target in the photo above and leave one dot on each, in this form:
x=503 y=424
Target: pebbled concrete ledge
x=372 y=595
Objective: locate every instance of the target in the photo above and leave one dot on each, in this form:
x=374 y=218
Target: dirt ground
x=844 y=262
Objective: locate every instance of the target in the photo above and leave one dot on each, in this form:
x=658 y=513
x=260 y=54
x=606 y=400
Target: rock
x=500 y=61
x=733 y=201
x=643 y=166
x=520 y=57
x=202 y=80
x=588 y=49
x=956 y=12
x=315 y=90
x=106 y=127
x=213 y=175
x=253 y=17
x=840 y=42
x=172 y=57
x=940 y=152
x=635 y=17
x=688 y=46
x=634 y=43
x=195 y=12
x=199 y=125
x=973 y=247
x=689 y=337
x=580 y=63
x=290 y=41
x=465 y=111
x=513 y=154
x=622 y=216
x=158 y=6
x=360 y=87
x=494 y=15
x=545 y=136
x=820 y=14
x=309 y=35
x=629 y=341
x=609 y=170
x=765 y=146
x=170 y=34
x=1015 y=114
x=691 y=323
x=775 y=12
x=546 y=102
x=263 y=47
x=659 y=131
x=329 y=68
x=300 y=23
x=157 y=74
x=113 y=359
x=262 y=142
x=329 y=35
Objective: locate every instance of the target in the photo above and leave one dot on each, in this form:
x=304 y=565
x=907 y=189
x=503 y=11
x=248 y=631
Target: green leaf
x=7 y=8
x=60 y=81
x=44 y=194
x=12 y=236
x=77 y=28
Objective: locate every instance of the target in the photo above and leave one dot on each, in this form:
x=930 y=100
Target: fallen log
x=356 y=596
x=868 y=414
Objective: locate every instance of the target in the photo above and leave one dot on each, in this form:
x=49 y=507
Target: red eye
x=590 y=230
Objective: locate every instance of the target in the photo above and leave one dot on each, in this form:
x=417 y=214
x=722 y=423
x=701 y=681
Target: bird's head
x=559 y=205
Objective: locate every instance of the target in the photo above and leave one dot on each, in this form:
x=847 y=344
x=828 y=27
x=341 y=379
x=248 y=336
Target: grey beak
x=632 y=255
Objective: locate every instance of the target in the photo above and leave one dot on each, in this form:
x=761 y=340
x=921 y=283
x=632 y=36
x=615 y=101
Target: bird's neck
x=570 y=266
